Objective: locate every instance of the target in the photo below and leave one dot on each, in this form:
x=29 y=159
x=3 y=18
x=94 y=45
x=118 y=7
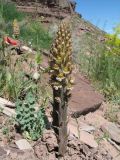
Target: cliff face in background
x=49 y=3
x=87 y=38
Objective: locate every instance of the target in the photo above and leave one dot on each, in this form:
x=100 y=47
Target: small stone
x=5 y=140
x=87 y=128
x=110 y=148
x=52 y=156
x=117 y=158
x=26 y=49
x=36 y=75
x=13 y=155
x=8 y=111
x=88 y=139
x=118 y=118
x=95 y=120
x=7 y=103
x=41 y=151
x=2 y=152
x=73 y=144
x=86 y=150
x=112 y=130
x=8 y=152
x=50 y=139
x=18 y=136
x=73 y=130
x=23 y=144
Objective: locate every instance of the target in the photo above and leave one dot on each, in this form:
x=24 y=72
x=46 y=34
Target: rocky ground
x=91 y=137
x=93 y=128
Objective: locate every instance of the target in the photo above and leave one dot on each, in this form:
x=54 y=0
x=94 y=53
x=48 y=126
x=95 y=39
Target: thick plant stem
x=60 y=114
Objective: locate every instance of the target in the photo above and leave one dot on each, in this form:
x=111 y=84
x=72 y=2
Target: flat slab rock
x=2 y=152
x=117 y=157
x=8 y=111
x=88 y=139
x=23 y=144
x=112 y=130
x=84 y=97
x=82 y=132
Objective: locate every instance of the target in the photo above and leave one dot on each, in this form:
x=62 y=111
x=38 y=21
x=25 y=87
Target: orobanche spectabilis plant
x=16 y=28
x=61 y=81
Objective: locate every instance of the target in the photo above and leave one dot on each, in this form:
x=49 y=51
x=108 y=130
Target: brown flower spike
x=16 y=29
x=61 y=67
x=61 y=59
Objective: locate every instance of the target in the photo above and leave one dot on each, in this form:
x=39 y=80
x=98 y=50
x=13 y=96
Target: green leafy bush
x=30 y=121
x=107 y=68
x=103 y=67
x=32 y=33
x=9 y=12
x=12 y=83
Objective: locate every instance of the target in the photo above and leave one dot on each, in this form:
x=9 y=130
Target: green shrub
x=35 y=34
x=103 y=66
x=32 y=33
x=12 y=83
x=31 y=122
x=9 y=12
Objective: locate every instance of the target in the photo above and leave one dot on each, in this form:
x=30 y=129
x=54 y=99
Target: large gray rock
x=2 y=153
x=84 y=97
x=88 y=139
x=112 y=130
x=7 y=111
x=117 y=158
x=23 y=144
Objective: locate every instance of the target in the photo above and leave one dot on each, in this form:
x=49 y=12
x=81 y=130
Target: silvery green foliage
x=31 y=122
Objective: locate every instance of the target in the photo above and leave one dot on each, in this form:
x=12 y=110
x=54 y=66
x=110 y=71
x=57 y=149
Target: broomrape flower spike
x=61 y=58
x=16 y=29
x=61 y=67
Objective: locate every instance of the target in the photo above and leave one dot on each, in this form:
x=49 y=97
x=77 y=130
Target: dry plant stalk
x=61 y=67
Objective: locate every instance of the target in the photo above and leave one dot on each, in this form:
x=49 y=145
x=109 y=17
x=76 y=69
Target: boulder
x=23 y=144
x=112 y=130
x=88 y=139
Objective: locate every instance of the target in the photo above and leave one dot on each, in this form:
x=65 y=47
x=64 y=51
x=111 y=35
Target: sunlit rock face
x=61 y=3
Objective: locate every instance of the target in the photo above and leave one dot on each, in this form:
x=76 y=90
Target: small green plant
x=9 y=12
x=8 y=128
x=112 y=112
x=1 y=110
x=102 y=65
x=16 y=29
x=31 y=122
x=104 y=136
x=5 y=130
x=12 y=83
